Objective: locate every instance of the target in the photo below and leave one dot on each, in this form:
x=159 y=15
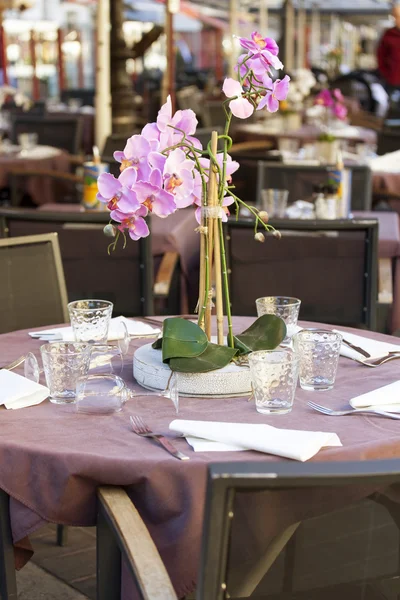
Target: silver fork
x=377 y=362
x=338 y=413
x=140 y=428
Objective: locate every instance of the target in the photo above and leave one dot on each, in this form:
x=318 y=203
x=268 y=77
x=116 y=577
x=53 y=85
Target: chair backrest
x=125 y=277
x=330 y=265
x=86 y=95
x=32 y=291
x=300 y=181
x=289 y=530
x=64 y=133
x=213 y=114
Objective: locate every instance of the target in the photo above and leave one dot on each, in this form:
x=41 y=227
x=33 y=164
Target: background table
x=41 y=158
x=53 y=459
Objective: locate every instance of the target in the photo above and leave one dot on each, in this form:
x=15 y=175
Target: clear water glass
x=318 y=353
x=100 y=394
x=90 y=320
x=274 y=378
x=285 y=307
x=274 y=202
x=63 y=364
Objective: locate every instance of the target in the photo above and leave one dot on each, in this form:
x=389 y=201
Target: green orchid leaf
x=182 y=338
x=266 y=333
x=214 y=357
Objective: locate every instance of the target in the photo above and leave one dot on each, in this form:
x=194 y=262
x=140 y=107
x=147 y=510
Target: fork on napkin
x=65 y=334
x=385 y=398
x=375 y=348
x=212 y=436
x=19 y=392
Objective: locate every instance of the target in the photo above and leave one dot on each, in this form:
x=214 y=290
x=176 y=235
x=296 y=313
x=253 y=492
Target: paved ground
x=60 y=573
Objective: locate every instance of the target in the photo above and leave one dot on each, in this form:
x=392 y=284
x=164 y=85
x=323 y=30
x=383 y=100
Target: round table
x=53 y=459
x=40 y=158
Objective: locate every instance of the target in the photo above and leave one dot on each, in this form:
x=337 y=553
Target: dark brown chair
x=301 y=180
x=64 y=133
x=32 y=291
x=330 y=265
x=333 y=536
x=125 y=277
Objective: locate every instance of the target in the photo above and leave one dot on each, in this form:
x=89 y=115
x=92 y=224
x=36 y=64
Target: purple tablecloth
x=53 y=459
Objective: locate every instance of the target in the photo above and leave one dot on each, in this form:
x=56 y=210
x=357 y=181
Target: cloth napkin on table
x=19 y=392
x=374 y=347
x=208 y=436
x=65 y=334
x=384 y=398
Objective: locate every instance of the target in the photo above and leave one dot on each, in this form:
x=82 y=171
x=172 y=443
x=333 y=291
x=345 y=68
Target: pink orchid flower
x=178 y=177
x=239 y=106
x=258 y=43
x=132 y=221
x=340 y=111
x=324 y=98
x=338 y=95
x=183 y=119
x=112 y=191
x=154 y=198
x=279 y=92
x=135 y=155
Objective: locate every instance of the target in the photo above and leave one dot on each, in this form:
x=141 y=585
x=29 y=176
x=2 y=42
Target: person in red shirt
x=389 y=53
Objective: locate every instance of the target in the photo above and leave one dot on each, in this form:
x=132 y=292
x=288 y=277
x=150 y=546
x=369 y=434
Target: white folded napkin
x=374 y=347
x=65 y=334
x=207 y=436
x=19 y=392
x=384 y=398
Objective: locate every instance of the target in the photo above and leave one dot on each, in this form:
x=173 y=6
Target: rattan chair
x=327 y=515
x=32 y=292
x=125 y=277
x=330 y=265
x=60 y=132
x=301 y=180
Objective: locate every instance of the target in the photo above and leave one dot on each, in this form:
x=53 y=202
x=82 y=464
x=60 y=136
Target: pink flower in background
x=135 y=155
x=155 y=199
x=132 y=221
x=340 y=111
x=258 y=43
x=278 y=93
x=113 y=191
x=240 y=106
x=338 y=95
x=324 y=98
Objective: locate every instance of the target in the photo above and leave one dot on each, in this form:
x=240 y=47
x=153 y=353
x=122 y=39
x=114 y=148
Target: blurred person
x=389 y=53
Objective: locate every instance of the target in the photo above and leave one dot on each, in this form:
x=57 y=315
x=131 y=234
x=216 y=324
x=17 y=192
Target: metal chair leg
x=8 y=583
x=62 y=535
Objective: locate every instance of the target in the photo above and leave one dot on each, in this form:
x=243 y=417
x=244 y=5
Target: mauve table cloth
x=52 y=459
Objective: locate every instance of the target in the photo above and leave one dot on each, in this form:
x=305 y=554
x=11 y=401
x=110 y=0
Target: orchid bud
x=109 y=230
x=277 y=234
x=264 y=216
x=259 y=237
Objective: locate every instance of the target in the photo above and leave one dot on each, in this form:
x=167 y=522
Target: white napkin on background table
x=65 y=334
x=374 y=347
x=208 y=436
x=384 y=398
x=19 y=392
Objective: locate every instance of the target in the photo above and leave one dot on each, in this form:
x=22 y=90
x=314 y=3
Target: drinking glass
x=274 y=202
x=63 y=364
x=285 y=307
x=90 y=319
x=27 y=141
x=105 y=394
x=318 y=354
x=273 y=378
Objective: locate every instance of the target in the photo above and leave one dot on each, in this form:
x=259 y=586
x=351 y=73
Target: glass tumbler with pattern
x=318 y=353
x=274 y=378
x=64 y=363
x=285 y=307
x=90 y=320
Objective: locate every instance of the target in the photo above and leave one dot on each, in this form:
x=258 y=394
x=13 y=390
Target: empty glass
x=90 y=319
x=273 y=378
x=274 y=202
x=285 y=307
x=318 y=353
x=105 y=394
x=63 y=364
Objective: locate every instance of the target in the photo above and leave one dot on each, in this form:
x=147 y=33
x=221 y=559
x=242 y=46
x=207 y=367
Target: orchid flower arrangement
x=332 y=101
x=165 y=168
